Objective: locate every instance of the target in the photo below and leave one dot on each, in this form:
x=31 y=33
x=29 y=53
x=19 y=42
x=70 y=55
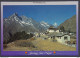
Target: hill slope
x=15 y=23
x=70 y=24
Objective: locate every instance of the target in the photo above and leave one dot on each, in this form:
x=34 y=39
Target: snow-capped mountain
x=15 y=23
x=44 y=24
x=55 y=24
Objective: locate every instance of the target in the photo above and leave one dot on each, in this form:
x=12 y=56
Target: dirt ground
x=40 y=45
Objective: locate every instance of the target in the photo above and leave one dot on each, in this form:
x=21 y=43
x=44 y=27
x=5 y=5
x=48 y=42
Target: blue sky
x=47 y=13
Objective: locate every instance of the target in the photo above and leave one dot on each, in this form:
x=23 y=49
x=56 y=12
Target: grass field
x=37 y=45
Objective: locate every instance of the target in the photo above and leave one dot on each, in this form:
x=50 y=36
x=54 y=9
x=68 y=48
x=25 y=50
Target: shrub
x=62 y=28
x=68 y=42
x=19 y=35
x=74 y=42
x=33 y=38
x=4 y=46
x=24 y=43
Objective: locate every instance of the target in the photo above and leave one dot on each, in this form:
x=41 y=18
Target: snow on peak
x=55 y=24
x=15 y=14
x=44 y=24
x=26 y=23
x=16 y=18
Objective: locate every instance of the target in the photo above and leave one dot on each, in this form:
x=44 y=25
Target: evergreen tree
x=62 y=29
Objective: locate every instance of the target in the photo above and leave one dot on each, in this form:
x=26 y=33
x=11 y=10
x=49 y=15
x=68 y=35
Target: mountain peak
x=14 y=17
x=44 y=24
x=55 y=24
x=15 y=14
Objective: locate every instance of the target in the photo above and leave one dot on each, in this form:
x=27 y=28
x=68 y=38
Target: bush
x=68 y=42
x=24 y=43
x=62 y=28
x=33 y=38
x=74 y=42
x=18 y=36
x=4 y=46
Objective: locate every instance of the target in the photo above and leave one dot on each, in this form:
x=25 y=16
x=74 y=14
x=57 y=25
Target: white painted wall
x=67 y=39
x=36 y=34
x=52 y=31
x=61 y=40
x=57 y=30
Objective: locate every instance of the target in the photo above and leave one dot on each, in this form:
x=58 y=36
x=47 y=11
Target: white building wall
x=68 y=38
x=52 y=30
x=59 y=39
x=57 y=30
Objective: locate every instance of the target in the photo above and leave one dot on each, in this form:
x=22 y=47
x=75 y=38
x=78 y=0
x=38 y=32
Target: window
x=53 y=37
x=65 y=38
x=59 y=37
